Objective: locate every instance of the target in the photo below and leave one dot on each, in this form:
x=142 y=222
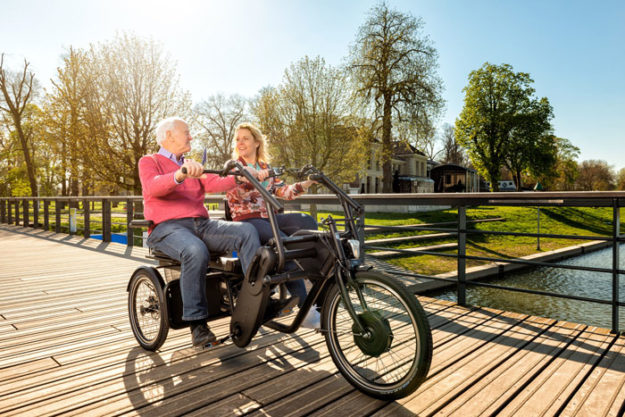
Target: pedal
x=216 y=342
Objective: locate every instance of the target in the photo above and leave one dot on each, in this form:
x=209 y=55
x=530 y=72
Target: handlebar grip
x=184 y=170
x=315 y=177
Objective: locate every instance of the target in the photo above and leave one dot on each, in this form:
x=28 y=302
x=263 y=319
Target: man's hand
x=194 y=170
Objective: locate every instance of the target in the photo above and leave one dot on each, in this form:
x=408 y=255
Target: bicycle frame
x=344 y=268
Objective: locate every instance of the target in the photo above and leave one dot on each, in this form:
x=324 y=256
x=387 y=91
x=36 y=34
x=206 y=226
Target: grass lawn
x=553 y=220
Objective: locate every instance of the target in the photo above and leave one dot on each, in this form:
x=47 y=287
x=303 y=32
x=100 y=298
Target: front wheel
x=391 y=358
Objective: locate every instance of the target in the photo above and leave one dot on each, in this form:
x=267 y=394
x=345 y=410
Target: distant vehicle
x=507 y=185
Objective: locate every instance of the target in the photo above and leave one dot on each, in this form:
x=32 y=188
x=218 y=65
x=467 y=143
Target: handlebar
x=242 y=172
x=273 y=172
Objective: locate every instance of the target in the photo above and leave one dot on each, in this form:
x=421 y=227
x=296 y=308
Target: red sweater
x=165 y=200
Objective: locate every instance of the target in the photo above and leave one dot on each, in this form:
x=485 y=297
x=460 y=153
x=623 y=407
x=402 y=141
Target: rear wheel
x=147 y=309
x=391 y=358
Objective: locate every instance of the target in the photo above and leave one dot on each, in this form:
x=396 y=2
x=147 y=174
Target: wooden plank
x=454 y=364
x=490 y=392
x=603 y=391
x=557 y=382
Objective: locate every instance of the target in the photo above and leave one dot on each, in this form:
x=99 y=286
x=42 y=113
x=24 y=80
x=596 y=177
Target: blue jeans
x=288 y=224
x=189 y=241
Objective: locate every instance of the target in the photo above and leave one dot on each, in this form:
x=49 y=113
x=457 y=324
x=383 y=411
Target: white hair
x=166 y=125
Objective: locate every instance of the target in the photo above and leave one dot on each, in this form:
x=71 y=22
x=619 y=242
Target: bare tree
x=452 y=150
x=131 y=84
x=394 y=68
x=595 y=175
x=18 y=90
x=218 y=117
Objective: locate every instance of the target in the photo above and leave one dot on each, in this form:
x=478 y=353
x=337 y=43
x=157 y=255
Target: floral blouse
x=246 y=202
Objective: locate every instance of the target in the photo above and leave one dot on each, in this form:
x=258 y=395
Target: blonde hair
x=261 y=152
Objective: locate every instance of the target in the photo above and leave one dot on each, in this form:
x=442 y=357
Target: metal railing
x=113 y=214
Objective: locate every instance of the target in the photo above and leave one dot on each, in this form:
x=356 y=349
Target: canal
x=563 y=281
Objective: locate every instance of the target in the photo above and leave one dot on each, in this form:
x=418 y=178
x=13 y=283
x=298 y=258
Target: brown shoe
x=201 y=334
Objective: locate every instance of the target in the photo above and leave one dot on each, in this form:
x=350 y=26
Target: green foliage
x=503 y=124
x=308 y=120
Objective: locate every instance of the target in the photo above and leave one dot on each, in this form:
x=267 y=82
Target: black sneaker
x=201 y=334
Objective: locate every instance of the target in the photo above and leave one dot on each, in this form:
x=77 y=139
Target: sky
x=573 y=50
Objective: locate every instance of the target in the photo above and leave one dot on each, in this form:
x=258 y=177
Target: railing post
x=17 y=212
x=26 y=217
x=35 y=213
x=361 y=233
x=9 y=212
x=46 y=214
x=86 y=218
x=130 y=212
x=616 y=226
x=462 y=262
x=106 y=220
x=2 y=211
x=58 y=206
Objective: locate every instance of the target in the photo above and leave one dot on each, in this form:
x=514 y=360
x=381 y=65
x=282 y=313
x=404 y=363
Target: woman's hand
x=262 y=174
x=306 y=184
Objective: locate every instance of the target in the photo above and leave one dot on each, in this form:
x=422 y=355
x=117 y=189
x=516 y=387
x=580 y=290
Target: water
x=563 y=281
x=117 y=238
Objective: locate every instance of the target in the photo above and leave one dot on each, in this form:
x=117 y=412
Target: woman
x=247 y=204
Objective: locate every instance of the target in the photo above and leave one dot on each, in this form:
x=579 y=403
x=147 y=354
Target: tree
x=130 y=85
x=218 y=117
x=452 y=150
x=308 y=120
x=620 y=179
x=18 y=90
x=394 y=67
x=501 y=121
x=564 y=172
x=595 y=175
x=67 y=130
x=531 y=148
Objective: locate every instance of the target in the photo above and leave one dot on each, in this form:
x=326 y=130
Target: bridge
x=66 y=348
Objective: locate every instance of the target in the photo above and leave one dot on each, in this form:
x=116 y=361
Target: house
x=409 y=167
x=450 y=178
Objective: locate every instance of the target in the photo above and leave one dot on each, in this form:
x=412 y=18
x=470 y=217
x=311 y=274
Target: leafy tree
x=17 y=91
x=531 y=148
x=393 y=65
x=307 y=119
x=565 y=170
x=595 y=175
x=218 y=117
x=501 y=122
x=66 y=127
x=620 y=179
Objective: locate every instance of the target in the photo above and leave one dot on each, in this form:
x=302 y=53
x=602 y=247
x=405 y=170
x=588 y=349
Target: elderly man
x=182 y=229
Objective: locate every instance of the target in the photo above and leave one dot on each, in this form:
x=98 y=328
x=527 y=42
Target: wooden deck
x=66 y=348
